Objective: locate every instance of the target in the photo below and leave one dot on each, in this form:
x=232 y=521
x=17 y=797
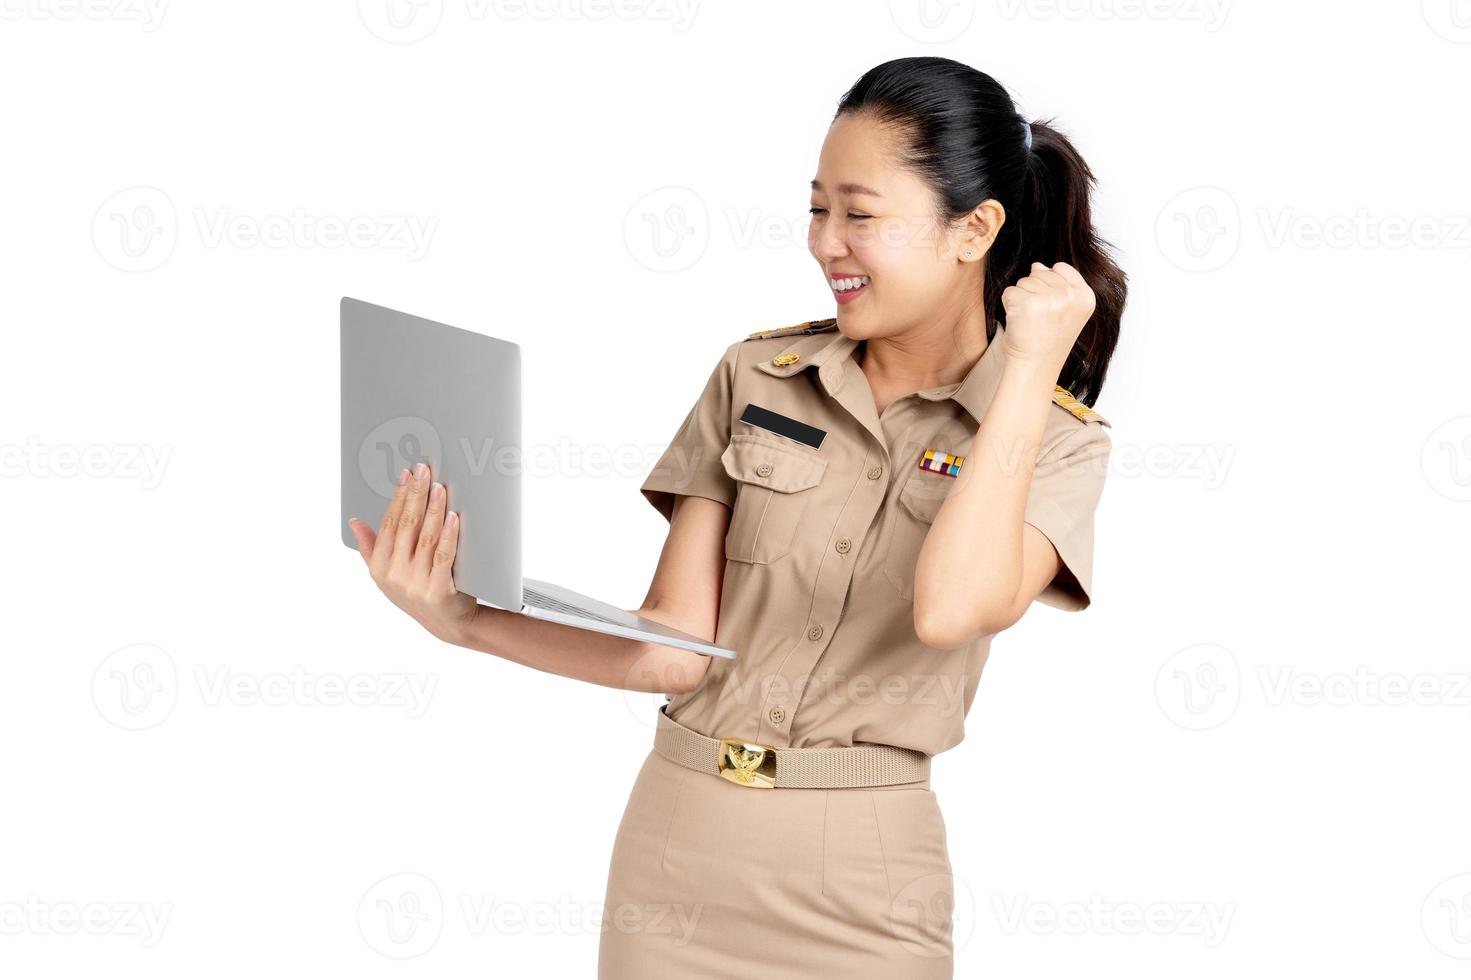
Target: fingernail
x=436 y=492
x=420 y=471
x=450 y=520
x=403 y=476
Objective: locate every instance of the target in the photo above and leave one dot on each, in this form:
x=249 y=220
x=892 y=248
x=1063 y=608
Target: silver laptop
x=418 y=391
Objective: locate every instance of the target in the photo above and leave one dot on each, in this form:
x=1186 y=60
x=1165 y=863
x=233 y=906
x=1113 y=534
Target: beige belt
x=766 y=766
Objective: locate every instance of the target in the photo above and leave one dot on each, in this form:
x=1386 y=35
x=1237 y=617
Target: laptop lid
x=416 y=390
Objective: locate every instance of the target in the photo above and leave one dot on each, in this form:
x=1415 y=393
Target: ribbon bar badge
x=938 y=462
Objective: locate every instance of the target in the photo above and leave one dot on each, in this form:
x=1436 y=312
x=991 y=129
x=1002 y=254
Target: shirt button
x=815 y=633
x=843 y=545
x=764 y=469
x=874 y=472
x=776 y=714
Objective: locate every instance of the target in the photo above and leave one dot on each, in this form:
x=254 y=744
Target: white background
x=1254 y=741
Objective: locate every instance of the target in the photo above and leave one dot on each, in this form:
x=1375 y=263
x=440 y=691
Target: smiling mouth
x=851 y=284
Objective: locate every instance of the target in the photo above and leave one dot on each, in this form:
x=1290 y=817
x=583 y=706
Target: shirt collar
x=831 y=354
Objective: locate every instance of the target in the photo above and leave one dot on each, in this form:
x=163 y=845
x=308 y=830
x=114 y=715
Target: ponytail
x=1055 y=224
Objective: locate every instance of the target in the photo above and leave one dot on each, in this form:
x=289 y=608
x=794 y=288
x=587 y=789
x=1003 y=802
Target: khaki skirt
x=709 y=879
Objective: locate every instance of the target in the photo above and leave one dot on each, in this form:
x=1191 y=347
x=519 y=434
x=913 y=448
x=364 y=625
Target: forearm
x=970 y=569
x=599 y=658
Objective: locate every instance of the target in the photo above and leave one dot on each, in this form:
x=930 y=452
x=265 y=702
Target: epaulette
x=1065 y=398
x=811 y=326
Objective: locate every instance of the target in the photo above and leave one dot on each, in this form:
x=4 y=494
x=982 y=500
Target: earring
x=967 y=253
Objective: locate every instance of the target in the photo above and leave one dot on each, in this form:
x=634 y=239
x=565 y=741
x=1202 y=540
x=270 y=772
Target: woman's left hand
x=1045 y=312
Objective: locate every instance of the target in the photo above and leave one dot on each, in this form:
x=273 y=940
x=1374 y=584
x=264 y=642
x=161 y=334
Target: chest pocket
x=775 y=481
x=909 y=521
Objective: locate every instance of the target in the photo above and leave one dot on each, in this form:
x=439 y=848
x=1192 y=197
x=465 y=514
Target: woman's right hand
x=411 y=555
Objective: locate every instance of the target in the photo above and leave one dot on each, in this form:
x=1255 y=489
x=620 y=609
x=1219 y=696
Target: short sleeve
x=691 y=465
x=1066 y=485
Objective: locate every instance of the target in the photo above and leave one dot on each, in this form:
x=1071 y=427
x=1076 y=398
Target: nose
x=827 y=241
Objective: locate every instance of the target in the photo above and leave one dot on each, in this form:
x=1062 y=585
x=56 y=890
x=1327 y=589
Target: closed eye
x=851 y=215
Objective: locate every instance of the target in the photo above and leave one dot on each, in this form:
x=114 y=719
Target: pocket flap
x=923 y=494
x=767 y=463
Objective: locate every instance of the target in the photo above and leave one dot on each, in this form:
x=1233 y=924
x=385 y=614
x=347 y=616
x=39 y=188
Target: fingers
x=1070 y=274
x=411 y=518
x=440 y=576
x=429 y=533
x=1050 y=277
x=365 y=538
x=387 y=528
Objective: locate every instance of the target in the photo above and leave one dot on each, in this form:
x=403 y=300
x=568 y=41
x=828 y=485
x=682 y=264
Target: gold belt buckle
x=748 y=763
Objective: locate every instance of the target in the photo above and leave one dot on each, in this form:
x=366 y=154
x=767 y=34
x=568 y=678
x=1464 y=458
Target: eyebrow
x=849 y=189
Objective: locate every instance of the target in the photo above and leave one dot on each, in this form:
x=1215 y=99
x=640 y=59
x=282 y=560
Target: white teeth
x=845 y=285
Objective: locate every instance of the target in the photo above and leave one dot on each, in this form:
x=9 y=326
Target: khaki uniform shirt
x=824 y=540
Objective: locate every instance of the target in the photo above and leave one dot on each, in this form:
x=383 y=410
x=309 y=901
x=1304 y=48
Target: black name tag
x=765 y=418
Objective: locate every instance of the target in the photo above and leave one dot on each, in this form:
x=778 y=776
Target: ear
x=978 y=230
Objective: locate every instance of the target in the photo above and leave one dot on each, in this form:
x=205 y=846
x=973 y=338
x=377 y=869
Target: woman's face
x=873 y=219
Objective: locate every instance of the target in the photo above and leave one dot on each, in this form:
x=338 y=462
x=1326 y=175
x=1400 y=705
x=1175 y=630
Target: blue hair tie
x=1028 y=126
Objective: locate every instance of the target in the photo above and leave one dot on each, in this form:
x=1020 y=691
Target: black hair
x=963 y=136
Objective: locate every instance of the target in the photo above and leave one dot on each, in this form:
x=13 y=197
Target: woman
x=857 y=505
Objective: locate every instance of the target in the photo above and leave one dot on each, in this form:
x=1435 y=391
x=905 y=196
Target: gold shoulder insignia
x=1065 y=398
x=810 y=326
